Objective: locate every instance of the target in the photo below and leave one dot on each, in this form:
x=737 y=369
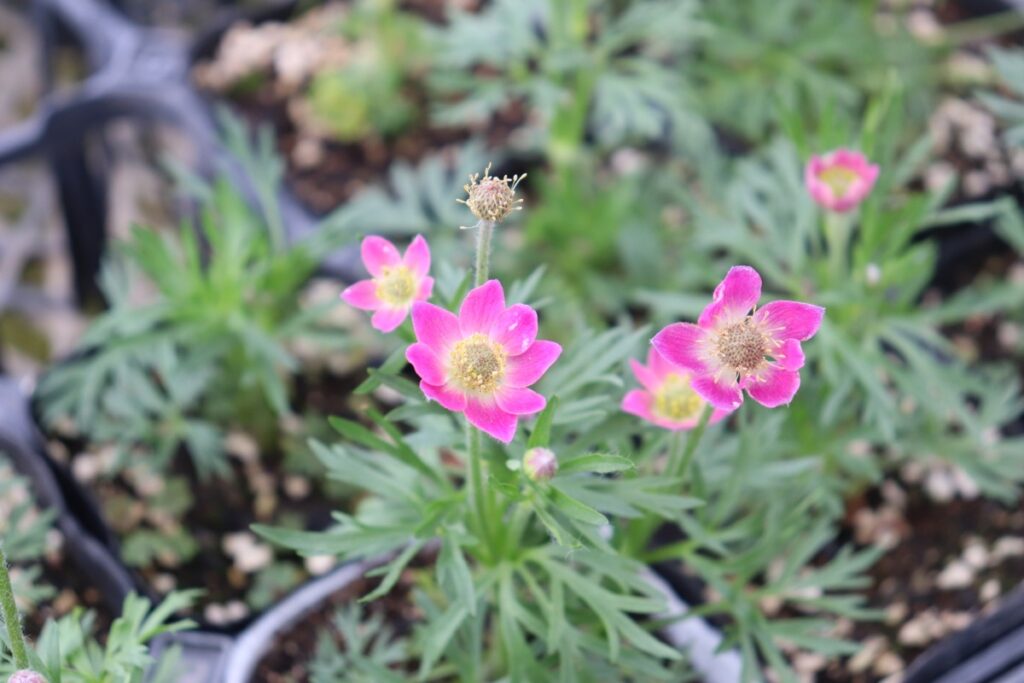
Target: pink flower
x=481 y=362
x=730 y=350
x=840 y=180
x=667 y=399
x=397 y=282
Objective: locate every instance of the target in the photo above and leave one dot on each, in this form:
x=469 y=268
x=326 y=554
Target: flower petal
x=481 y=308
x=426 y=363
x=790 y=356
x=529 y=366
x=773 y=387
x=426 y=289
x=645 y=375
x=447 y=396
x=520 y=401
x=638 y=403
x=378 y=253
x=683 y=344
x=435 y=327
x=659 y=365
x=387 y=319
x=789 y=319
x=362 y=294
x=515 y=329
x=721 y=393
x=734 y=296
x=490 y=418
x=417 y=256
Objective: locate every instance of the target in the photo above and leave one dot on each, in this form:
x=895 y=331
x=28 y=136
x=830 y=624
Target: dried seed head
x=540 y=464
x=26 y=676
x=492 y=198
x=477 y=364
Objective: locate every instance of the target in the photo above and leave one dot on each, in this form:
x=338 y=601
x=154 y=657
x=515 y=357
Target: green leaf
x=541 y=435
x=574 y=508
x=601 y=463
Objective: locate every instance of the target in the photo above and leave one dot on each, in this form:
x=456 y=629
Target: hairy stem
x=10 y=613
x=483 y=251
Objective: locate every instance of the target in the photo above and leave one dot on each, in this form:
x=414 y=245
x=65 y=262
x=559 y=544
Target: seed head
x=742 y=347
x=492 y=198
x=540 y=464
x=26 y=676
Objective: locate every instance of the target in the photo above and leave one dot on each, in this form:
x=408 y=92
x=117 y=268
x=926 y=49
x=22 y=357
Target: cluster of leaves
x=370 y=93
x=23 y=531
x=67 y=650
x=210 y=350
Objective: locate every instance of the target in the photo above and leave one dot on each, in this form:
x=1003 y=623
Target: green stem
x=679 y=466
x=10 y=613
x=483 y=251
x=474 y=448
x=837 y=237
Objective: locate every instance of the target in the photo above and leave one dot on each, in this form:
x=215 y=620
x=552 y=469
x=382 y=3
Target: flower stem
x=483 y=251
x=10 y=614
x=837 y=236
x=477 y=500
x=679 y=466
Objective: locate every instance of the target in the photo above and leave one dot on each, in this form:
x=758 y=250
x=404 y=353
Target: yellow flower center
x=742 y=347
x=676 y=400
x=396 y=285
x=477 y=364
x=839 y=179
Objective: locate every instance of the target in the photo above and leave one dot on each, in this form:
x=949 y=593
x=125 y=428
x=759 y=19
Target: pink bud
x=840 y=180
x=26 y=676
x=540 y=464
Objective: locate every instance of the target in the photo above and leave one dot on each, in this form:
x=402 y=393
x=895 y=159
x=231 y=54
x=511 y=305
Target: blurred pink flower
x=730 y=350
x=481 y=362
x=840 y=180
x=666 y=399
x=397 y=281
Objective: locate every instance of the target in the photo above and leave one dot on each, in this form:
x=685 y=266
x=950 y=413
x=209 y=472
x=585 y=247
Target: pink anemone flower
x=481 y=362
x=397 y=281
x=730 y=349
x=667 y=399
x=840 y=180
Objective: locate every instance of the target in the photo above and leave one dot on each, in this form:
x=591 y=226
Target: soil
x=337 y=171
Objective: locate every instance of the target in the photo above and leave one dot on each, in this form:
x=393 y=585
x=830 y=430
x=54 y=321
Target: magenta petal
x=638 y=403
x=362 y=294
x=520 y=401
x=773 y=387
x=490 y=418
x=790 y=319
x=682 y=344
x=450 y=398
x=435 y=327
x=515 y=329
x=645 y=375
x=725 y=395
x=378 y=253
x=387 y=319
x=790 y=356
x=528 y=367
x=417 y=256
x=482 y=307
x=426 y=363
x=734 y=296
x=426 y=289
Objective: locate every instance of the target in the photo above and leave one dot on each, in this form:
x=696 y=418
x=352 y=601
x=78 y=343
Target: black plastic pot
x=219 y=662
x=85 y=536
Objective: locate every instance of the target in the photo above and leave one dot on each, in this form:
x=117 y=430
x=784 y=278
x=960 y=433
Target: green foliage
x=210 y=349
x=23 y=530
x=68 y=652
x=371 y=649
x=369 y=94
x=1007 y=105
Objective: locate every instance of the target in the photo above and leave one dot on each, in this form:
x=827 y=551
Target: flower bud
x=540 y=464
x=492 y=198
x=26 y=676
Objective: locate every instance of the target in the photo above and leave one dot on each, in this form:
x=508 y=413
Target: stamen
x=742 y=347
x=840 y=179
x=396 y=285
x=676 y=400
x=477 y=364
